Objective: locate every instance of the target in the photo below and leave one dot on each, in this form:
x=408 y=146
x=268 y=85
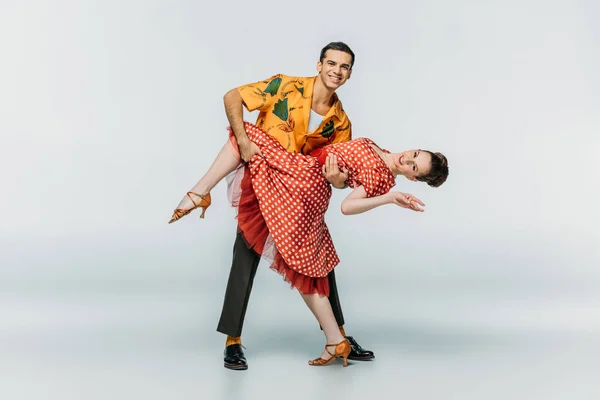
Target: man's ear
x=319 y=66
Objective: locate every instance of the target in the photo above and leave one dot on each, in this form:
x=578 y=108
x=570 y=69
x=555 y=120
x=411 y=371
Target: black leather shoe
x=234 y=357
x=358 y=353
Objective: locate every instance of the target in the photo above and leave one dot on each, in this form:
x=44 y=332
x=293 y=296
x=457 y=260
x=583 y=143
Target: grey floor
x=154 y=338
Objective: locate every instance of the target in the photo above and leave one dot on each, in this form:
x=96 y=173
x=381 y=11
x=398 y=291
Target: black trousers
x=241 y=277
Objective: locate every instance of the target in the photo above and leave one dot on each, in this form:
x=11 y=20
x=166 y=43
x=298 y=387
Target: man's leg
x=358 y=353
x=335 y=300
x=241 y=277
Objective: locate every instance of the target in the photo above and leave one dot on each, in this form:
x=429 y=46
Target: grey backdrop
x=110 y=111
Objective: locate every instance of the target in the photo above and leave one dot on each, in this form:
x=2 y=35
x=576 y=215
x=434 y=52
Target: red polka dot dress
x=283 y=200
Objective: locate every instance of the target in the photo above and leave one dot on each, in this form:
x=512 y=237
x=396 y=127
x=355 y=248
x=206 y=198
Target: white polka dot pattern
x=364 y=166
x=294 y=195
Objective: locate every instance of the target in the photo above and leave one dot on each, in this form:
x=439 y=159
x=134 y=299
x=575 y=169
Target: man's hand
x=248 y=149
x=406 y=200
x=334 y=175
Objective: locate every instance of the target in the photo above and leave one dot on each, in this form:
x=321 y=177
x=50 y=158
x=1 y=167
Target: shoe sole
x=368 y=358
x=236 y=367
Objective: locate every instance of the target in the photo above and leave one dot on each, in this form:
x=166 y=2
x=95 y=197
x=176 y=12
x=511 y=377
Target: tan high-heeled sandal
x=342 y=349
x=204 y=203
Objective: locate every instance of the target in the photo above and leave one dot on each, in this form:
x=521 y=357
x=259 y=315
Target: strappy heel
x=204 y=203
x=342 y=349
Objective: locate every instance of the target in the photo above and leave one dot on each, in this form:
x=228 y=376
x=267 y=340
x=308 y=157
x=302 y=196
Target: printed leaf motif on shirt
x=273 y=86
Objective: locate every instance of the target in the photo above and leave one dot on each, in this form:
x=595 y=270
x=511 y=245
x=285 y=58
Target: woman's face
x=411 y=163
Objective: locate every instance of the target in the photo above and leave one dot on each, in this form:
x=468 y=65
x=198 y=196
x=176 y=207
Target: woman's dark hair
x=339 y=46
x=438 y=172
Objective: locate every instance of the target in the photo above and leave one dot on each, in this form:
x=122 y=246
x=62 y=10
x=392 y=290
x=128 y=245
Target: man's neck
x=322 y=97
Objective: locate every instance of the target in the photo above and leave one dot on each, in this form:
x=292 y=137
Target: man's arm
x=357 y=201
x=332 y=172
x=235 y=115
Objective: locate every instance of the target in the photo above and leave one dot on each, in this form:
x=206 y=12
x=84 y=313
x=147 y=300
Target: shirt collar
x=336 y=109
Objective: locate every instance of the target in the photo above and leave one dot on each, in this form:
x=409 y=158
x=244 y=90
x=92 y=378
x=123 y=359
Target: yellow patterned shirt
x=284 y=103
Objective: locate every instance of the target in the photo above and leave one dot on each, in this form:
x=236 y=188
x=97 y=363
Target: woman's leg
x=321 y=308
x=226 y=162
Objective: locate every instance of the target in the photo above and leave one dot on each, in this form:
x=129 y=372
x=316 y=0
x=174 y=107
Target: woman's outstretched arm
x=357 y=201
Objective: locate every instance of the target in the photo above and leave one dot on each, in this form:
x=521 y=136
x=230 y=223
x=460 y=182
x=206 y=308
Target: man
x=303 y=114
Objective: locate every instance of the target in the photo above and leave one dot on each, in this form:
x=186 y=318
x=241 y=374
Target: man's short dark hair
x=339 y=46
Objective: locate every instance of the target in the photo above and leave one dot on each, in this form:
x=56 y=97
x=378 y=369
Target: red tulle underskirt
x=256 y=234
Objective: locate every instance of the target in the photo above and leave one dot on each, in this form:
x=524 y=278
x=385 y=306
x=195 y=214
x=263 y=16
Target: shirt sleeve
x=375 y=181
x=349 y=130
x=261 y=95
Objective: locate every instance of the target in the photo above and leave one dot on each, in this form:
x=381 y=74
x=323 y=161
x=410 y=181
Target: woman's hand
x=406 y=200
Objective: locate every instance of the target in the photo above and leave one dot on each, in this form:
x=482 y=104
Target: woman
x=282 y=202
